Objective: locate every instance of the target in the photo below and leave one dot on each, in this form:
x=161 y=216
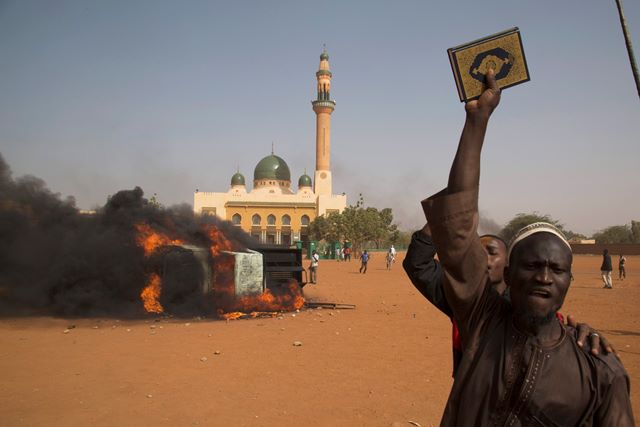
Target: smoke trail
x=55 y=260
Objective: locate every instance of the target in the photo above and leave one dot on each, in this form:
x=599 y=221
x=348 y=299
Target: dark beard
x=534 y=321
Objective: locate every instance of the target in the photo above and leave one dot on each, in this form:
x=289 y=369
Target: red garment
x=456 y=341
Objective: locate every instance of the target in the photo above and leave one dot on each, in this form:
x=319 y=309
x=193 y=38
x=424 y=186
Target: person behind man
x=622 y=272
x=425 y=274
x=520 y=365
x=605 y=269
x=313 y=268
x=364 y=259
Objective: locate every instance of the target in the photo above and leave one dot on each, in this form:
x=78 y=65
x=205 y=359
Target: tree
x=614 y=234
x=360 y=225
x=153 y=200
x=522 y=220
x=403 y=238
x=318 y=228
x=635 y=231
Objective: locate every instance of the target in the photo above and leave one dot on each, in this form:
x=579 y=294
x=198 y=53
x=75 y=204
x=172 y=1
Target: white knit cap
x=536 y=227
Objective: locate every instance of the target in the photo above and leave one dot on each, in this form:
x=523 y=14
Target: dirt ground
x=385 y=363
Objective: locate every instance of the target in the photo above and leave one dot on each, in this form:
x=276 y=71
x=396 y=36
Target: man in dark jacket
x=606 y=269
x=425 y=272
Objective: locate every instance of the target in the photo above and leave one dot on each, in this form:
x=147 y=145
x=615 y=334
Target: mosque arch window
x=255 y=219
x=285 y=239
x=304 y=221
x=271 y=219
x=236 y=219
x=286 y=220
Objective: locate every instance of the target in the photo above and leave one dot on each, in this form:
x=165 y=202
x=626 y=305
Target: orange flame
x=151 y=240
x=240 y=315
x=267 y=304
x=219 y=242
x=151 y=293
x=223 y=277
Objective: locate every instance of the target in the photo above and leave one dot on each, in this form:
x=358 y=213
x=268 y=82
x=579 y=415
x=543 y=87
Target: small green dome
x=237 y=179
x=304 y=181
x=324 y=55
x=272 y=167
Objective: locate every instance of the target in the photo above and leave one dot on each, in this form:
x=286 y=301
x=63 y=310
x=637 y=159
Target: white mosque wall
x=331 y=202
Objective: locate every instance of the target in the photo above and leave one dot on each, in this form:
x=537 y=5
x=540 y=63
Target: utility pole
x=627 y=39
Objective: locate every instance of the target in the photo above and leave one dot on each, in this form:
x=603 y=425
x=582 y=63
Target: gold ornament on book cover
x=502 y=52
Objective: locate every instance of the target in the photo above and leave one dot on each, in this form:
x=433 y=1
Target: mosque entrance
x=271 y=239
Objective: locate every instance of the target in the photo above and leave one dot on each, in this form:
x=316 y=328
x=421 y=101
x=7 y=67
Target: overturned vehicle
x=259 y=279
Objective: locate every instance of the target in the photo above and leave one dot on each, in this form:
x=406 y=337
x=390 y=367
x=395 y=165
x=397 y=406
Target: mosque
x=272 y=211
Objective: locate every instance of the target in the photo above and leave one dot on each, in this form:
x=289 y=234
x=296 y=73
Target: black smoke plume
x=55 y=260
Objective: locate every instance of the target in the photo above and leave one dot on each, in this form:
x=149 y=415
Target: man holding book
x=425 y=274
x=520 y=365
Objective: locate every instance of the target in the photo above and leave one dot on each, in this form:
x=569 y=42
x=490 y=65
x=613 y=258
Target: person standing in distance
x=313 y=268
x=605 y=269
x=622 y=272
x=364 y=259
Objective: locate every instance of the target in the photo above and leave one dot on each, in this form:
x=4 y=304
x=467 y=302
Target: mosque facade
x=272 y=211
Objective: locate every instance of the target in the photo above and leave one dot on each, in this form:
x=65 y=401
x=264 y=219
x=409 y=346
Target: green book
x=502 y=51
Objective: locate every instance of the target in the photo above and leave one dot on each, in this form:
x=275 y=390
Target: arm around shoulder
x=424 y=270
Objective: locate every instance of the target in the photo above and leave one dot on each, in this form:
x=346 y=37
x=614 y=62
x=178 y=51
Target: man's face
x=539 y=275
x=496 y=257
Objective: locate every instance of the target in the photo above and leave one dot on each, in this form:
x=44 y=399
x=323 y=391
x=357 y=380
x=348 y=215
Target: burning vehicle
x=227 y=279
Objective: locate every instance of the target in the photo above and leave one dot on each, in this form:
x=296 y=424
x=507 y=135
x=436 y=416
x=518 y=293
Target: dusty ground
x=385 y=363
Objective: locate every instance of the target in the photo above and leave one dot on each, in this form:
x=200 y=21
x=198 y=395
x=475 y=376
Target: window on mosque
x=271 y=220
x=304 y=220
x=255 y=219
x=236 y=219
x=209 y=211
x=286 y=220
x=286 y=239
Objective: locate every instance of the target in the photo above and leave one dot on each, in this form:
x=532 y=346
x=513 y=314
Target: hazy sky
x=98 y=96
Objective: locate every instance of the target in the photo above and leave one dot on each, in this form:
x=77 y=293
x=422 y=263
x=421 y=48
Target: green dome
x=324 y=55
x=272 y=167
x=304 y=181
x=237 y=179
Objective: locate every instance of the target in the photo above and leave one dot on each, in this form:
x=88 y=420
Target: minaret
x=323 y=107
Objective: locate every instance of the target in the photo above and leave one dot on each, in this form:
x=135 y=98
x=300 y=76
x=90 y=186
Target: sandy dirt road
x=385 y=363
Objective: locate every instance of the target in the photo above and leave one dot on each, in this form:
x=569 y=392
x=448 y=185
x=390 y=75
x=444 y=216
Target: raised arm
x=465 y=170
x=453 y=214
